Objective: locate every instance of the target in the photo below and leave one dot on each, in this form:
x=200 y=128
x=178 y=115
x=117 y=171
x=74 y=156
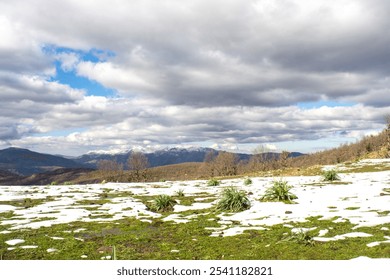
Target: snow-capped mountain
x=162 y=157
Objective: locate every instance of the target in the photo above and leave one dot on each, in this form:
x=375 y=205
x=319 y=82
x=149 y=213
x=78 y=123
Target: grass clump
x=213 y=182
x=330 y=175
x=248 y=181
x=179 y=193
x=280 y=191
x=300 y=237
x=163 y=203
x=233 y=200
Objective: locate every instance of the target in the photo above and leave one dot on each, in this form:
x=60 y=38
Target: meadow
x=321 y=218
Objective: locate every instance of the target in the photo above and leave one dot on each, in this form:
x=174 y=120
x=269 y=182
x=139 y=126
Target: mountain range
x=20 y=163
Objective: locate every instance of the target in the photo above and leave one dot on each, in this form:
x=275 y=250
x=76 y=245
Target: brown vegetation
x=227 y=164
x=138 y=164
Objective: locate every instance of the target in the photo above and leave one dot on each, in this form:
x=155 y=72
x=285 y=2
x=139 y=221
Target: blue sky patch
x=328 y=103
x=70 y=77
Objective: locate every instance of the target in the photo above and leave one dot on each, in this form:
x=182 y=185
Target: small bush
x=233 y=200
x=163 y=203
x=330 y=175
x=27 y=203
x=213 y=182
x=280 y=191
x=248 y=181
x=179 y=193
x=300 y=237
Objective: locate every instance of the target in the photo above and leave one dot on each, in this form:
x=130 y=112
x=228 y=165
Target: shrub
x=280 y=191
x=213 y=182
x=27 y=203
x=330 y=175
x=180 y=192
x=248 y=181
x=163 y=203
x=300 y=237
x=233 y=200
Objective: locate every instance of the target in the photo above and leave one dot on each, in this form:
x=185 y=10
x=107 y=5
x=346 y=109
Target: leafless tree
x=208 y=166
x=260 y=158
x=226 y=164
x=138 y=164
x=283 y=159
x=110 y=169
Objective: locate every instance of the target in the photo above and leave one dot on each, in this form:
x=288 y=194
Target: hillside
x=25 y=162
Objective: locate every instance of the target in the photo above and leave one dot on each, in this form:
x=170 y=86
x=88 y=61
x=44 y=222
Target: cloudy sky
x=297 y=75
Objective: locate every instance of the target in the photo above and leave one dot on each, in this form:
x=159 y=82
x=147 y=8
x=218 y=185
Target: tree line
x=229 y=164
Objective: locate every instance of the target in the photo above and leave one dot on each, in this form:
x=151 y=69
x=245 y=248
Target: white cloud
x=68 y=60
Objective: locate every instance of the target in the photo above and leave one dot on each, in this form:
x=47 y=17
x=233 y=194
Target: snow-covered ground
x=361 y=198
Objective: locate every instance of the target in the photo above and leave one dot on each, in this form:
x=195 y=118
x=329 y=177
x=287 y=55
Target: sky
x=296 y=75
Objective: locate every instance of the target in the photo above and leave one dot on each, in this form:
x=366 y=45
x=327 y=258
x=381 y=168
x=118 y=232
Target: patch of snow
x=6 y=208
x=323 y=232
x=342 y=237
x=51 y=250
x=29 y=247
x=14 y=242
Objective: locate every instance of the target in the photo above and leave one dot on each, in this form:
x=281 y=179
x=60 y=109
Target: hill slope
x=25 y=162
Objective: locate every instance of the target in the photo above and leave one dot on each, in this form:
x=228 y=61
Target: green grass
x=26 y=202
x=163 y=203
x=233 y=200
x=248 y=181
x=367 y=168
x=136 y=240
x=213 y=182
x=330 y=175
x=180 y=193
x=279 y=191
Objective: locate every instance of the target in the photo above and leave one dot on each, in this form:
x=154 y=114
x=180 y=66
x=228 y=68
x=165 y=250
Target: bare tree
x=208 y=166
x=138 y=164
x=226 y=163
x=259 y=158
x=110 y=169
x=283 y=159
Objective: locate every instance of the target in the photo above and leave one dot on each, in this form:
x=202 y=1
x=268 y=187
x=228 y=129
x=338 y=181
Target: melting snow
x=359 y=198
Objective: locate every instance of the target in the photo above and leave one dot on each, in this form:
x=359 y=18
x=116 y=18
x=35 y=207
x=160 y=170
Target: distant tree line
x=137 y=164
x=228 y=164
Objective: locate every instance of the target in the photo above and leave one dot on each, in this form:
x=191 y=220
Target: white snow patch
x=29 y=247
x=342 y=237
x=14 y=242
x=51 y=250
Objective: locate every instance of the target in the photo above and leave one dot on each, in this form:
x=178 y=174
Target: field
x=343 y=219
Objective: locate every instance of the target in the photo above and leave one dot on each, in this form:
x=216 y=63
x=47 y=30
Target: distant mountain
x=25 y=162
x=157 y=158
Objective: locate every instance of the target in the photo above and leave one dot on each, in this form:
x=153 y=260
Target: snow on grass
x=358 y=197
